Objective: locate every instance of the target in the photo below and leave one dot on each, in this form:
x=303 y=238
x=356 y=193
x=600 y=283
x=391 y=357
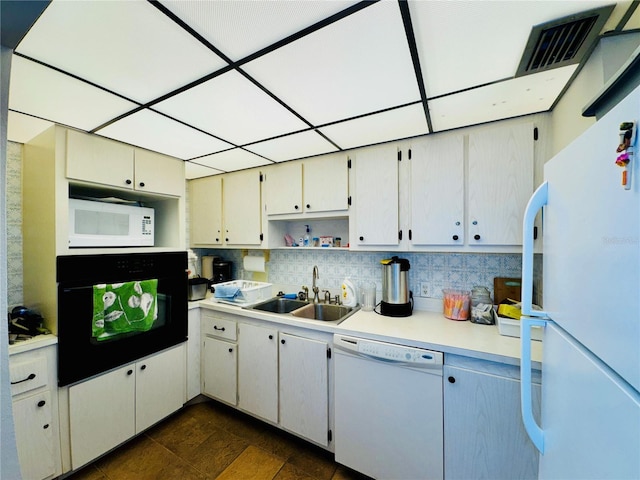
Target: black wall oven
x=117 y=308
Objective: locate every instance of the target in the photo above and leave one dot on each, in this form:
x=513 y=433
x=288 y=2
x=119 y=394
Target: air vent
x=562 y=42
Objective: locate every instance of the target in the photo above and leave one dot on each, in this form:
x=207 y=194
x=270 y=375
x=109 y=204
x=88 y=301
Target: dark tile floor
x=212 y=441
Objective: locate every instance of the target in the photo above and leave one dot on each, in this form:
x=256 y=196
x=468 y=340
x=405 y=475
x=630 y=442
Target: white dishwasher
x=388 y=409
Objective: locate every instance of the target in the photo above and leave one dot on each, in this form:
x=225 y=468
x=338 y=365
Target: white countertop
x=422 y=329
x=39 y=341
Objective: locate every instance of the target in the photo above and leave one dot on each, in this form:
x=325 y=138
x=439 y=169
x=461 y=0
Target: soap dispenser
x=305 y=240
x=349 y=294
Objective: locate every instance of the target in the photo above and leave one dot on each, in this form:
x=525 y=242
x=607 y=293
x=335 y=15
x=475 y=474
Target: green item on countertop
x=124 y=307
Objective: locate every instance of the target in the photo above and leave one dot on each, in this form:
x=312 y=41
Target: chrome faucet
x=316 y=297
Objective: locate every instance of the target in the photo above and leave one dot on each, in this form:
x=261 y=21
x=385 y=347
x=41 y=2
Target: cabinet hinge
x=410 y=235
x=535 y=133
x=399 y=155
x=349 y=200
x=535 y=233
x=261 y=236
x=348 y=163
x=409 y=154
x=328 y=353
x=261 y=178
x=329 y=435
x=400 y=235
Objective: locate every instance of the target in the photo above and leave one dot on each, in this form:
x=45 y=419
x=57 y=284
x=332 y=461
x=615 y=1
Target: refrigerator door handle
x=536 y=202
x=536 y=434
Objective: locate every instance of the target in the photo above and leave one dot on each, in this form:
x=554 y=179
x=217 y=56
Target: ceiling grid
x=232 y=85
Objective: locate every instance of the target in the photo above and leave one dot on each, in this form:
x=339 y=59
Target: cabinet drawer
x=218 y=327
x=28 y=374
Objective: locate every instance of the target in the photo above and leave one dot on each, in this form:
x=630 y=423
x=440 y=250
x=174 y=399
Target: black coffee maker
x=221 y=271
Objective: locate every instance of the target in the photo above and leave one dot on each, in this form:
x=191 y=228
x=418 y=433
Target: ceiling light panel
x=233 y=108
x=155 y=132
x=466 y=44
x=128 y=47
x=45 y=93
x=238 y=29
x=291 y=147
x=231 y=160
x=521 y=96
x=391 y=125
x=22 y=128
x=193 y=170
x=358 y=65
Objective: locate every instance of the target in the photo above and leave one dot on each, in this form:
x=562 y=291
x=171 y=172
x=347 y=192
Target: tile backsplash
x=13 y=191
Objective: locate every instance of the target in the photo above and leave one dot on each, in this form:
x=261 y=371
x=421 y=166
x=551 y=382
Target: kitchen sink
x=324 y=312
x=279 y=305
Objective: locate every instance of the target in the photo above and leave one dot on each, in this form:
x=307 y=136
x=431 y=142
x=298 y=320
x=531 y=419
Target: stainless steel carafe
x=397 y=299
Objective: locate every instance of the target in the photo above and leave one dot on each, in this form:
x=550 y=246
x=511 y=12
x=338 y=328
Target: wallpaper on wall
x=14 y=224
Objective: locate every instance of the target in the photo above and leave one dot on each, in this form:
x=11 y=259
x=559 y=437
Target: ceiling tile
x=48 y=94
x=294 y=146
x=193 y=170
x=233 y=108
x=391 y=125
x=358 y=65
x=241 y=28
x=512 y=98
x=22 y=128
x=128 y=47
x=231 y=160
x=155 y=132
x=466 y=44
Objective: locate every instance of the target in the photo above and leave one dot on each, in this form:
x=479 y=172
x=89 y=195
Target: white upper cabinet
x=375 y=216
x=437 y=191
x=98 y=160
x=205 y=211
x=242 y=208
x=500 y=184
x=311 y=186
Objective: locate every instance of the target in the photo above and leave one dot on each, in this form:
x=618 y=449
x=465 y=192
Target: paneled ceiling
x=233 y=84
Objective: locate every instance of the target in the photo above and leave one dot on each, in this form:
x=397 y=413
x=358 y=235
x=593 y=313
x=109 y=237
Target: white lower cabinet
x=35 y=412
x=258 y=371
x=220 y=375
x=304 y=383
x=111 y=408
x=484 y=437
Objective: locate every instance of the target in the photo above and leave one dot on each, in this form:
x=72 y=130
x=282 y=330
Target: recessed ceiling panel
x=391 y=125
x=521 y=96
x=22 y=128
x=231 y=160
x=294 y=146
x=193 y=170
x=48 y=94
x=241 y=28
x=466 y=44
x=128 y=47
x=358 y=65
x=155 y=132
x=233 y=108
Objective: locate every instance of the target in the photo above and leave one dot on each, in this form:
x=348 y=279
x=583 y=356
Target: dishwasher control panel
x=388 y=351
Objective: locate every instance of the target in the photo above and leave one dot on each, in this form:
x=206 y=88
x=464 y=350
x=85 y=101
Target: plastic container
x=368 y=296
x=250 y=292
x=349 y=294
x=455 y=304
x=481 y=306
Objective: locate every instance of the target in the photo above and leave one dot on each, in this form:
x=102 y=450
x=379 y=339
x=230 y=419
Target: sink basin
x=279 y=305
x=324 y=312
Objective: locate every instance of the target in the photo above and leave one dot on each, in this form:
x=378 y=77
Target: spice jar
x=481 y=306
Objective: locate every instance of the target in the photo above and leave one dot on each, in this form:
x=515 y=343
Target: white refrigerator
x=590 y=419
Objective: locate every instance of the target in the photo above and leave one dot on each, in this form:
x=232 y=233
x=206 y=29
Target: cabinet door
x=376 y=197
x=304 y=394
x=326 y=184
x=94 y=159
x=220 y=374
x=258 y=371
x=160 y=386
x=242 y=208
x=158 y=173
x=283 y=188
x=500 y=184
x=205 y=211
x=35 y=436
x=101 y=414
x=437 y=191
x=483 y=431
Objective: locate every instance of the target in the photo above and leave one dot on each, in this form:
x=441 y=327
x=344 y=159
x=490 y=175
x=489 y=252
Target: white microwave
x=102 y=224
